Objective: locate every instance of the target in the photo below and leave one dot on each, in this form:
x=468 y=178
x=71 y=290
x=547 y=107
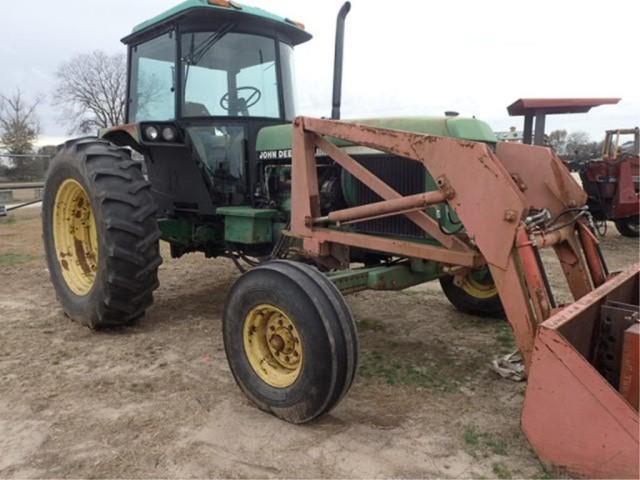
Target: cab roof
x=195 y=8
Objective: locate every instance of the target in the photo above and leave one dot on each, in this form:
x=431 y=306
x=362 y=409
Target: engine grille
x=406 y=177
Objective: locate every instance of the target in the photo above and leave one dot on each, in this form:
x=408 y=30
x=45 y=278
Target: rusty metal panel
x=517 y=306
x=615 y=319
x=592 y=254
x=535 y=278
x=396 y=247
x=305 y=193
x=580 y=334
x=574 y=267
x=573 y=418
x=542 y=173
x=630 y=370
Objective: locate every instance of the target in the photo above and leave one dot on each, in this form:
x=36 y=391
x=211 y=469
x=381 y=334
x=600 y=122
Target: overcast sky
x=403 y=57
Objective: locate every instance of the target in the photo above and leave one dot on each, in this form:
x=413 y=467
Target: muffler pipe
x=338 y=61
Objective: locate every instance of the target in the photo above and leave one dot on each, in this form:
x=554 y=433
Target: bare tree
x=92 y=91
x=19 y=126
x=558 y=141
x=581 y=148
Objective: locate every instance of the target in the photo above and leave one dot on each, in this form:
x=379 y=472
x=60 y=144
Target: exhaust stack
x=339 y=57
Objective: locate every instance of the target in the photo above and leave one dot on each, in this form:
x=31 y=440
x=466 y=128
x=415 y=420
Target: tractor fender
x=123 y=135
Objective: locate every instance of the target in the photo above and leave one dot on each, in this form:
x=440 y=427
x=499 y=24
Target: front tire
x=290 y=340
x=101 y=237
x=629 y=227
x=477 y=294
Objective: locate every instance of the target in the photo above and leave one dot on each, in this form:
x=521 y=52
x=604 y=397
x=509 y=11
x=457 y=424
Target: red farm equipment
x=613 y=182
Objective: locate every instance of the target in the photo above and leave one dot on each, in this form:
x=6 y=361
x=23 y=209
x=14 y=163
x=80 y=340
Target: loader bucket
x=581 y=405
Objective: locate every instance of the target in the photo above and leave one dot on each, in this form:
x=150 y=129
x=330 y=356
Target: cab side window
x=152 y=84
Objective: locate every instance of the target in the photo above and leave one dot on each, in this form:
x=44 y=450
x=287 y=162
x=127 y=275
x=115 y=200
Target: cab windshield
x=230 y=74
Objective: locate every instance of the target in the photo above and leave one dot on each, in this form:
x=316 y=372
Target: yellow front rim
x=480 y=288
x=76 y=237
x=273 y=346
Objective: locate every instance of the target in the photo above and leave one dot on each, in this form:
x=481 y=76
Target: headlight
x=169 y=134
x=151 y=133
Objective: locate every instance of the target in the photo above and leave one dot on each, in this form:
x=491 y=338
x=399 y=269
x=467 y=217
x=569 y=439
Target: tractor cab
x=208 y=75
x=623 y=142
x=211 y=107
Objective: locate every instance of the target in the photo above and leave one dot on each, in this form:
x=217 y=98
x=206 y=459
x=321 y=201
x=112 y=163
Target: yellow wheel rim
x=479 y=285
x=273 y=346
x=76 y=238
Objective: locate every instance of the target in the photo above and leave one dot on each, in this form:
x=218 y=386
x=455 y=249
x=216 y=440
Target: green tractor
x=210 y=110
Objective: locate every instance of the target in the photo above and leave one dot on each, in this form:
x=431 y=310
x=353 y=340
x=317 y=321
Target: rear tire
x=477 y=296
x=117 y=286
x=290 y=340
x=629 y=227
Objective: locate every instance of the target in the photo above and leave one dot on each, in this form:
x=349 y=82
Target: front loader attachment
x=514 y=201
x=580 y=410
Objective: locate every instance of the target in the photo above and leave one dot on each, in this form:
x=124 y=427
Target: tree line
x=575 y=146
x=90 y=93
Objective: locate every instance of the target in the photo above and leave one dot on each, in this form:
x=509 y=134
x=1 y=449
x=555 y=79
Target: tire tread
x=131 y=235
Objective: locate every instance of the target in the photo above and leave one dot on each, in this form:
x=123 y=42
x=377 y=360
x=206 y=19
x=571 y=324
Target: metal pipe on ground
x=24 y=205
x=6 y=187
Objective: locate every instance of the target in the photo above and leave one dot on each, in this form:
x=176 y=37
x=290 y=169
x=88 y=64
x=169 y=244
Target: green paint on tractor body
x=397 y=277
x=248 y=226
x=186 y=235
x=243 y=13
x=278 y=138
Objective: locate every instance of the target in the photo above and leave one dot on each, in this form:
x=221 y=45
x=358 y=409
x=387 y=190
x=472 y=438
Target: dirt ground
x=158 y=401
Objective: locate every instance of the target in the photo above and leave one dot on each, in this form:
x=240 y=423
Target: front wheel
x=629 y=227
x=290 y=340
x=476 y=294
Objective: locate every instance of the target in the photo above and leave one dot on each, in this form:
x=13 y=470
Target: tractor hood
x=277 y=140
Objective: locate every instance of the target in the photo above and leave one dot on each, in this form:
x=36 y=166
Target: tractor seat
x=193 y=109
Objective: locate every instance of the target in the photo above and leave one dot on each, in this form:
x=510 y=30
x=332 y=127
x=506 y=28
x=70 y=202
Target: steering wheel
x=243 y=103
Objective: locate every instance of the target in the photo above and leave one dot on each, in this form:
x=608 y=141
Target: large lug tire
x=477 y=295
x=290 y=340
x=629 y=227
x=100 y=233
